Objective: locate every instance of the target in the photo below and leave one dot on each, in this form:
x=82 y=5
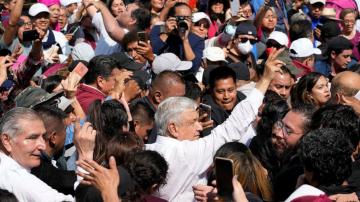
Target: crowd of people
x=137 y=100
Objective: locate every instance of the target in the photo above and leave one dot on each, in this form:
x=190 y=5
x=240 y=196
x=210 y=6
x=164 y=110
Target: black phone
x=205 y=109
x=142 y=36
x=224 y=171
x=30 y=35
x=319 y=26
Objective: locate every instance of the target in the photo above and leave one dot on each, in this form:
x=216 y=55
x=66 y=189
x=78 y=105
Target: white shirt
x=105 y=45
x=189 y=160
x=63 y=43
x=25 y=186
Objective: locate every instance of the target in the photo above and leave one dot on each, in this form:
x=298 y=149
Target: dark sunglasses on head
x=244 y=40
x=205 y=24
x=272 y=43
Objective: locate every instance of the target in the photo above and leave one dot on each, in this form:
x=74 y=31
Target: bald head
x=346 y=83
x=166 y=84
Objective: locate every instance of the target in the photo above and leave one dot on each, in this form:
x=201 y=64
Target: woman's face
x=320 y=92
x=201 y=28
x=54 y=13
x=117 y=7
x=349 y=23
x=217 y=7
x=157 y=5
x=270 y=20
x=278 y=139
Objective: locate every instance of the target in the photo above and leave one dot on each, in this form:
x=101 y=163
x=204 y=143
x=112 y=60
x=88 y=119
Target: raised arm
x=240 y=119
x=11 y=30
x=111 y=25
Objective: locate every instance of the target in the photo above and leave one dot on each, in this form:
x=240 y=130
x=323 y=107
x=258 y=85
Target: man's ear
x=5 y=143
x=133 y=21
x=340 y=98
x=100 y=81
x=333 y=55
x=158 y=97
x=52 y=139
x=173 y=130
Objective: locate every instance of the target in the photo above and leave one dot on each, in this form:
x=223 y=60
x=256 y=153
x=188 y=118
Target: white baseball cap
x=200 y=15
x=169 y=61
x=279 y=37
x=68 y=2
x=303 y=47
x=214 y=54
x=317 y=1
x=37 y=8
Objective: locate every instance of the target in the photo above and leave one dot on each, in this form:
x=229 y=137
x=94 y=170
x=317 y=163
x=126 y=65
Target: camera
x=182 y=24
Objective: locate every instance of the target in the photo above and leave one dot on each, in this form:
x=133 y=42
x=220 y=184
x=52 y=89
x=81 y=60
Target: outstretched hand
x=84 y=139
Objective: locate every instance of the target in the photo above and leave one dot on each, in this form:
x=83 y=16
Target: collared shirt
x=25 y=186
x=189 y=160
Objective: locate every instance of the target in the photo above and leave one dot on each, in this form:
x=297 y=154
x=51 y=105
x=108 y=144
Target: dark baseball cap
x=126 y=62
x=246 y=28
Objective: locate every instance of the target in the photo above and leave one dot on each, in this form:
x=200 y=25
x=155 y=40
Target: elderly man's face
x=190 y=127
x=26 y=147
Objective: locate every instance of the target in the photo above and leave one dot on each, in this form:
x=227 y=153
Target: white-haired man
x=190 y=157
x=21 y=145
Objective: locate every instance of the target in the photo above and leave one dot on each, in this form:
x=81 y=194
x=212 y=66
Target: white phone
x=234 y=7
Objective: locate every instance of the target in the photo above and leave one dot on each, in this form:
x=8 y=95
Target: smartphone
x=80 y=69
x=73 y=30
x=78 y=73
x=142 y=36
x=234 y=7
x=224 y=171
x=319 y=26
x=205 y=109
x=30 y=35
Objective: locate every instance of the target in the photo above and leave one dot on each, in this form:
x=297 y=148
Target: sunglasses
x=244 y=40
x=204 y=24
x=272 y=43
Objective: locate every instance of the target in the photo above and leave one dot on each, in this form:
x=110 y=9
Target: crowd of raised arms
x=179 y=100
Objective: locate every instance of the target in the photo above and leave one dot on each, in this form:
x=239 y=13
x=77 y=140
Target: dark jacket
x=218 y=114
x=174 y=45
x=61 y=180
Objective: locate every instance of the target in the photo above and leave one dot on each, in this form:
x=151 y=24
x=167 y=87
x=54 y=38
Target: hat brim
x=133 y=66
x=184 y=65
x=48 y=98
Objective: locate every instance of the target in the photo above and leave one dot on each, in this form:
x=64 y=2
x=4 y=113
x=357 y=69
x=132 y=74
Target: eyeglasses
x=244 y=40
x=206 y=25
x=287 y=131
x=347 y=22
x=23 y=23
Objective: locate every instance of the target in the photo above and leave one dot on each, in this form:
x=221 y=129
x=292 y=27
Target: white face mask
x=245 y=48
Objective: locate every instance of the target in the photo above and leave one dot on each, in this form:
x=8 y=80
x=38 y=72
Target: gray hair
x=10 y=123
x=170 y=111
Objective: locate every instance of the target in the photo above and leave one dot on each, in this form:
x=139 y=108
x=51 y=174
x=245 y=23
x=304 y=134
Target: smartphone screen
x=224 y=173
x=205 y=109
